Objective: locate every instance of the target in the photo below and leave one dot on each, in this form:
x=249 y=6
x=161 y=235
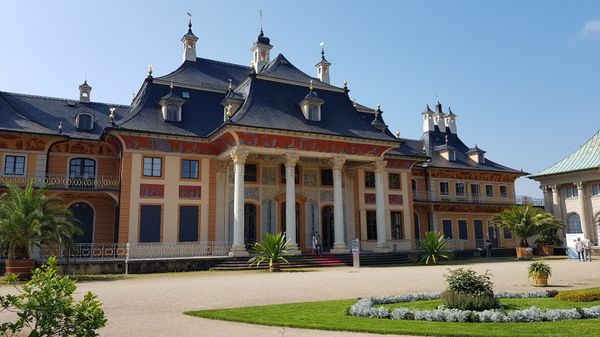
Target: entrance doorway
x=479 y=242
x=250 y=218
x=493 y=236
x=327 y=227
x=85 y=214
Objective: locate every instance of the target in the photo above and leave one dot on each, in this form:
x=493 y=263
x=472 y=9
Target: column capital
x=239 y=156
x=554 y=188
x=291 y=159
x=580 y=185
x=337 y=163
x=380 y=165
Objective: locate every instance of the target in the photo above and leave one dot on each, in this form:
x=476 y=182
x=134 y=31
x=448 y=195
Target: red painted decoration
x=395 y=199
x=152 y=190
x=369 y=198
x=190 y=192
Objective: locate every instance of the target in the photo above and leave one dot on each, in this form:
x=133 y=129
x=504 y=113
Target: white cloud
x=591 y=28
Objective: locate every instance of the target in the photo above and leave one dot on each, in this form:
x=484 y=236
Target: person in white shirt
x=579 y=249
x=587 y=250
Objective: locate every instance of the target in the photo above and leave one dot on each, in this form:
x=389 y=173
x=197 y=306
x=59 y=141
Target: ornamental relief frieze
x=251 y=193
x=269 y=175
x=75 y=147
x=326 y=196
x=177 y=145
x=469 y=208
x=481 y=176
x=12 y=142
x=310 y=177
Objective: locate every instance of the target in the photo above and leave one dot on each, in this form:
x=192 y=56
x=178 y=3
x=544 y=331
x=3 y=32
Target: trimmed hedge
x=464 y=301
x=586 y=295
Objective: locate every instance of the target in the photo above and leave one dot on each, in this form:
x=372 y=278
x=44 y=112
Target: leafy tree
x=30 y=217
x=45 y=307
x=435 y=246
x=273 y=250
x=526 y=221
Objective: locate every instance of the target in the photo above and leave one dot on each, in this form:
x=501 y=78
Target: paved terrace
x=152 y=305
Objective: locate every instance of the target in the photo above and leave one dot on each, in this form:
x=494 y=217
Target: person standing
x=579 y=250
x=316 y=243
x=488 y=248
x=587 y=250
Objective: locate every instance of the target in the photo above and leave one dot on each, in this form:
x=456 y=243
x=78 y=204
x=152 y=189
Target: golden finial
x=311 y=85
x=112 y=115
x=150 y=70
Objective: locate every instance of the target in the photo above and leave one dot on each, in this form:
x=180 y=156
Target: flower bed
x=371 y=307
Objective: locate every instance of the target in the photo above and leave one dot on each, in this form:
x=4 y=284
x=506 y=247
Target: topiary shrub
x=586 y=295
x=468 y=290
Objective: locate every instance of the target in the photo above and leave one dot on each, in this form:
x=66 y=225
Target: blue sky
x=522 y=76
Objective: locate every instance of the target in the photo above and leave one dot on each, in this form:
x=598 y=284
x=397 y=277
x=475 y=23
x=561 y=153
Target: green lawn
x=331 y=315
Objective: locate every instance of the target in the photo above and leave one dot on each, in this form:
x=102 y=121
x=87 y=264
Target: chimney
x=189 y=44
x=450 y=121
x=427 y=119
x=438 y=117
x=260 y=51
x=323 y=67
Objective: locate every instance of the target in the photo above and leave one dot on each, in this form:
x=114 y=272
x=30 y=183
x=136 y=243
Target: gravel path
x=152 y=305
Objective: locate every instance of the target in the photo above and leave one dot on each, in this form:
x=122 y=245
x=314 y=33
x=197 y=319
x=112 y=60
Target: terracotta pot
x=523 y=254
x=540 y=280
x=547 y=250
x=23 y=268
x=275 y=266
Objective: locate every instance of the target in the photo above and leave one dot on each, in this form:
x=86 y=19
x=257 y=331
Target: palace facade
x=215 y=151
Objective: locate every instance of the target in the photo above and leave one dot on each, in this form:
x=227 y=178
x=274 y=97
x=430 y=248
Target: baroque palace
x=220 y=152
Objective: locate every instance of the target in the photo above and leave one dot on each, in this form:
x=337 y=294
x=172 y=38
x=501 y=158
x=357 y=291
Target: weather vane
x=260 y=16
x=189 y=14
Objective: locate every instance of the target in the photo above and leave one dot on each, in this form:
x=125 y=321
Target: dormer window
x=477 y=155
x=452 y=155
x=170 y=105
x=84 y=121
x=480 y=158
x=311 y=105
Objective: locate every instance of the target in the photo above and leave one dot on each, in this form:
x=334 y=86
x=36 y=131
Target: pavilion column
x=238 y=248
x=582 y=213
x=382 y=246
x=290 y=203
x=556 y=202
x=339 y=245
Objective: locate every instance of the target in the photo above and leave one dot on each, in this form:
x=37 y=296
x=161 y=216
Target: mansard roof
x=274 y=105
x=434 y=141
x=207 y=74
x=281 y=68
x=201 y=113
x=585 y=158
x=38 y=114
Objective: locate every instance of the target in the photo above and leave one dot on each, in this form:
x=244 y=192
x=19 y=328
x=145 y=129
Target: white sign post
x=356 y=253
x=570 y=244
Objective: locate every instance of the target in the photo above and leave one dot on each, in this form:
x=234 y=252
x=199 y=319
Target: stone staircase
x=325 y=260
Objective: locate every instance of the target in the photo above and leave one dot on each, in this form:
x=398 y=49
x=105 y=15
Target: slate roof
x=584 y=158
x=38 y=114
x=435 y=141
x=281 y=68
x=281 y=111
x=201 y=113
x=207 y=73
x=409 y=147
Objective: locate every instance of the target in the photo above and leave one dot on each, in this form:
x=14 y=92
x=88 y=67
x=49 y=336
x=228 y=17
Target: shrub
x=45 y=307
x=469 y=282
x=587 y=295
x=463 y=301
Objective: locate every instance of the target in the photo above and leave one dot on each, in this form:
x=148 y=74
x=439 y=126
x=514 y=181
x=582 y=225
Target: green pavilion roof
x=586 y=157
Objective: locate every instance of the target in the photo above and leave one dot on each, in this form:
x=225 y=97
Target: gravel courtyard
x=152 y=305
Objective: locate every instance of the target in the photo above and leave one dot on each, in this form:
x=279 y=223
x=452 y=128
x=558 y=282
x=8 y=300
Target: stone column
x=556 y=202
x=339 y=245
x=547 y=199
x=238 y=248
x=290 y=203
x=382 y=246
x=582 y=213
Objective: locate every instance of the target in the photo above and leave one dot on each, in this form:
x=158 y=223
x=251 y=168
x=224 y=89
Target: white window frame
x=14 y=154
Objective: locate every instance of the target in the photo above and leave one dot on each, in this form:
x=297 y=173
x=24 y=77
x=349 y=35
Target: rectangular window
x=396 y=222
x=507 y=234
x=595 y=189
x=444 y=188
x=503 y=191
x=189 y=169
x=371 y=225
x=188 y=223
x=460 y=189
x=150 y=217
x=394 y=181
x=251 y=173
x=327 y=177
x=296 y=174
x=474 y=192
x=152 y=167
x=369 y=179
x=447 y=228
x=478 y=224
x=489 y=191
x=14 y=165
x=463 y=231
x=571 y=192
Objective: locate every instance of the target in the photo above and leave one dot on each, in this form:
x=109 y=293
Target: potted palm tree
x=525 y=221
x=272 y=250
x=547 y=240
x=29 y=217
x=434 y=246
x=539 y=272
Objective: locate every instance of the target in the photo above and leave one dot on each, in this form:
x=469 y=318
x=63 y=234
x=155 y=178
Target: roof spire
x=311 y=85
x=261 y=24
x=190 y=22
x=171 y=86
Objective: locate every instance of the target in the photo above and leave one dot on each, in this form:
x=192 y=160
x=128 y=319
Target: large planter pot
x=540 y=280
x=23 y=268
x=523 y=253
x=275 y=266
x=547 y=250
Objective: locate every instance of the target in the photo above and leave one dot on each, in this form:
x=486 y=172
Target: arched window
x=85 y=121
x=574 y=223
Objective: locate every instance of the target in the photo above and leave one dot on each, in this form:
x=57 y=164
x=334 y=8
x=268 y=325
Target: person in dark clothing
x=488 y=248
